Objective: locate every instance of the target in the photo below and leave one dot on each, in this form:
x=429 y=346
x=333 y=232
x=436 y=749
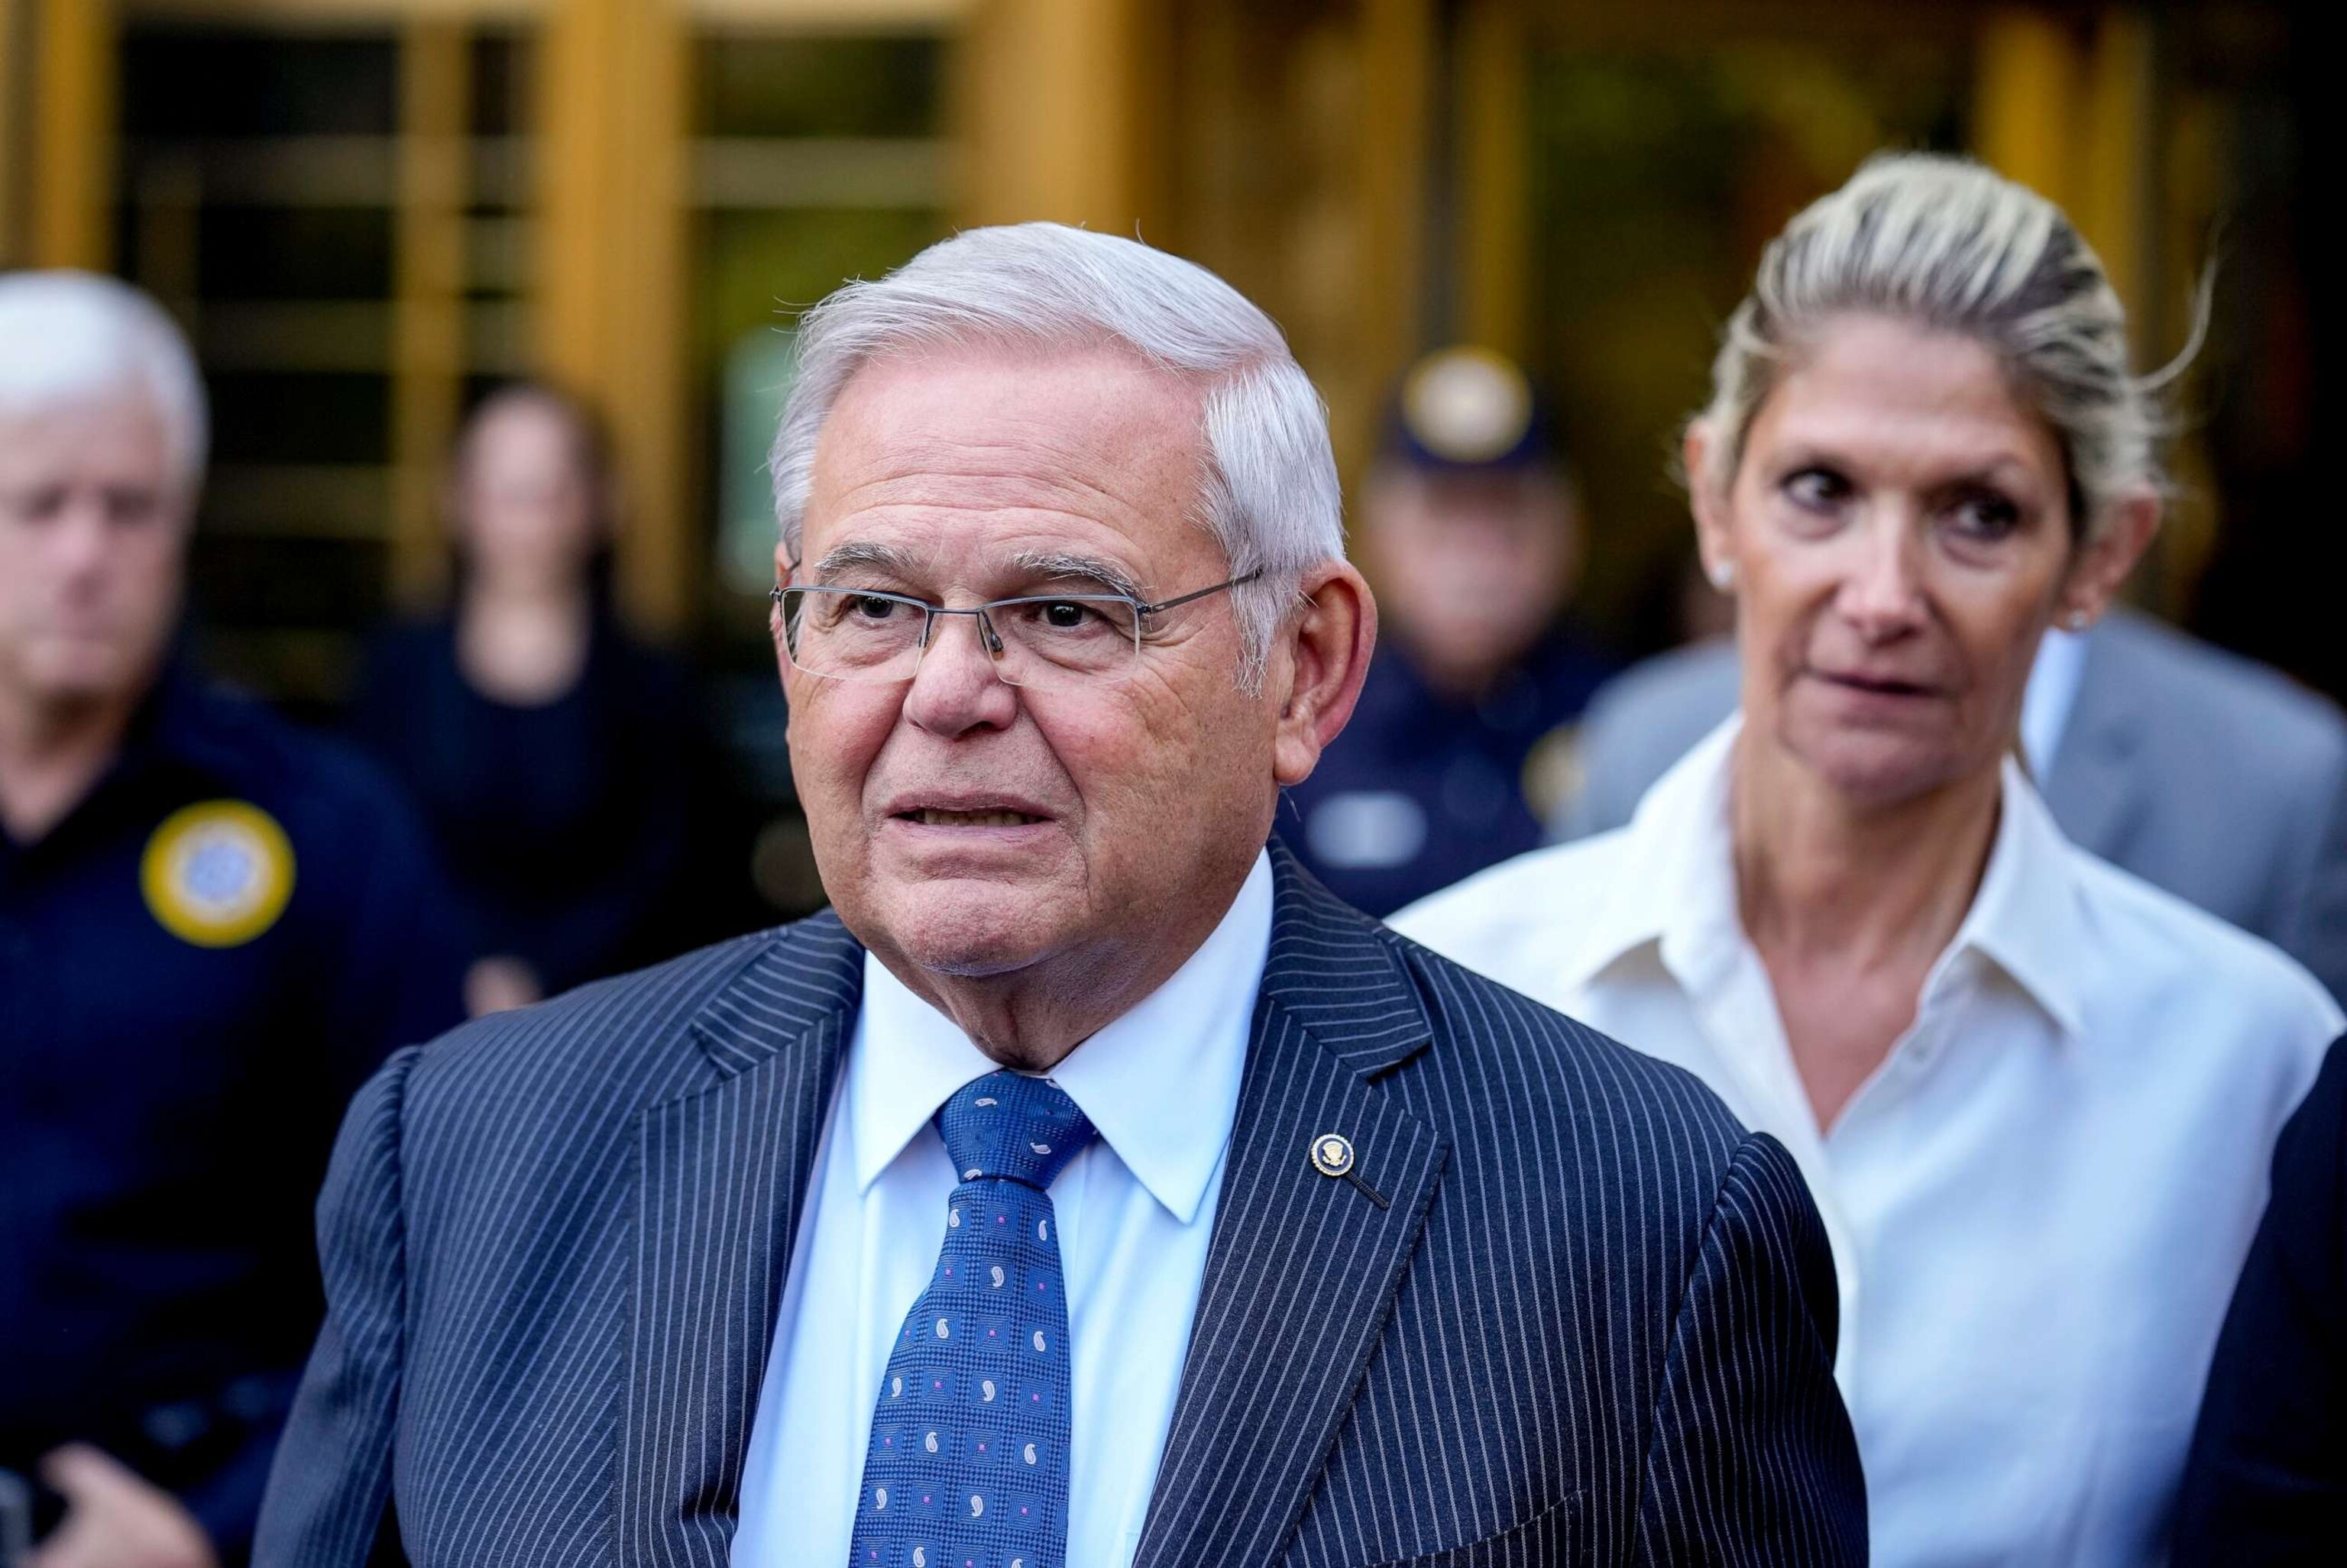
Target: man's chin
x=970 y=928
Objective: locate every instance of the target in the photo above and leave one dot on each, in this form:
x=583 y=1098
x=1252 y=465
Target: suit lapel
x=721 y=1177
x=2093 y=788
x=1303 y=1268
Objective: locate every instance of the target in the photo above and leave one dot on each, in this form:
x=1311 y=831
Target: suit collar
x=722 y=1173
x=810 y=974
x=2095 y=786
x=1337 y=974
x=1303 y=1268
x=1373 y=1021
x=2051 y=696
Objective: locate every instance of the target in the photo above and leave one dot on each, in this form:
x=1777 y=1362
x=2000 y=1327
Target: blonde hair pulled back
x=1953 y=247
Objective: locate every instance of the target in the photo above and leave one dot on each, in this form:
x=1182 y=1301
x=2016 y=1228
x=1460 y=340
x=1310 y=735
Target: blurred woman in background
x=556 y=758
x=2032 y=1095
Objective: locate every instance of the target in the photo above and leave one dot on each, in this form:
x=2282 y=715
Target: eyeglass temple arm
x=1200 y=594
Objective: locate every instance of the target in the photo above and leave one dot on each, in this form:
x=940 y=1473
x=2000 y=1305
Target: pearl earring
x=1722 y=575
x=2074 y=621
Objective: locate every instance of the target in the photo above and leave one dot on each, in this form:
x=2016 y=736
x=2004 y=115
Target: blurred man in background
x=212 y=928
x=1472 y=535
x=2205 y=774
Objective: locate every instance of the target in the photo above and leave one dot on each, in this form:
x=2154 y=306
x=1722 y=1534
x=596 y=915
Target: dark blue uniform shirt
x=197 y=967
x=1422 y=789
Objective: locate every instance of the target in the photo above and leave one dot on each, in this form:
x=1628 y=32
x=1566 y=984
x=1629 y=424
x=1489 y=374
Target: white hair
x=1268 y=492
x=68 y=337
x=1949 y=244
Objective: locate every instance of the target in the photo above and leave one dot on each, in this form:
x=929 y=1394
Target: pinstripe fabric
x=1562 y=1310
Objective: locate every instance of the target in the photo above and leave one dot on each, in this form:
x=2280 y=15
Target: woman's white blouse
x=2039 y=1201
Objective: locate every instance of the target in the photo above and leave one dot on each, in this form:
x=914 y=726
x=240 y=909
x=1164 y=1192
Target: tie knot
x=1012 y=1126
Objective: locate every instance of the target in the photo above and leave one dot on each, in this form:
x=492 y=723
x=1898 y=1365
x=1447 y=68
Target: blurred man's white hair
x=70 y=337
x=1268 y=492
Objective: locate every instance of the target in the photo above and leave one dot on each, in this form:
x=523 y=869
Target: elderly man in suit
x=1088 y=1186
x=2202 y=772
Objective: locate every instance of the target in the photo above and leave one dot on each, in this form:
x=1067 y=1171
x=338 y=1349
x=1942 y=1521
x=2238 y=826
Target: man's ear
x=783 y=567
x=2104 y=562
x=1327 y=644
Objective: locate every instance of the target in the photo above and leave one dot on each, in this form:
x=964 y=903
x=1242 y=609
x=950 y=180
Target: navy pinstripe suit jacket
x=1569 y=1313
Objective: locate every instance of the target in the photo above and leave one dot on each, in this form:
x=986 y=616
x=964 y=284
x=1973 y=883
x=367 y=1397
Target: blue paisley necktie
x=967 y=1466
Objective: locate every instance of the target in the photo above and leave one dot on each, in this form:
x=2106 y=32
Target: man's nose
x=1882 y=593
x=956 y=688
x=81 y=538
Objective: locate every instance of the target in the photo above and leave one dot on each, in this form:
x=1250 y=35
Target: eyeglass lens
x=844 y=634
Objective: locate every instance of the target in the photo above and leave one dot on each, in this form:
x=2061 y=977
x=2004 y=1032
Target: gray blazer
x=2202 y=772
x=1562 y=1309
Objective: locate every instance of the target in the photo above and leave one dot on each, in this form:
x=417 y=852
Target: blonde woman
x=2032 y=1095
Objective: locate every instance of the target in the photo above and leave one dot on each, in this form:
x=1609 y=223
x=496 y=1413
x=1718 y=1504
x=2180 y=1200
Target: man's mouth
x=930 y=818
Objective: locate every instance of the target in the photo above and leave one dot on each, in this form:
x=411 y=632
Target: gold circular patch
x=1332 y=1153
x=218 y=873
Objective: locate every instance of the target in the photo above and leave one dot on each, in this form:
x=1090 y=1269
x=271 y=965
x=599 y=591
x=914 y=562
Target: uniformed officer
x=212 y=928
x=1473 y=536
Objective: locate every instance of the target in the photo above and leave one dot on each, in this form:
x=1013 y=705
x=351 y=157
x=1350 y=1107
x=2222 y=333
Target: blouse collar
x=2026 y=918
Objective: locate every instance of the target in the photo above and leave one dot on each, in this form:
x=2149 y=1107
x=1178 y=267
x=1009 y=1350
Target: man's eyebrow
x=866 y=553
x=1050 y=563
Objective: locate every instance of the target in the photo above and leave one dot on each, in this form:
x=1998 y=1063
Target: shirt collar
x=1161 y=1083
x=2026 y=917
x=1682 y=894
x=180 y=735
x=2052 y=693
x=181 y=722
x=1681 y=897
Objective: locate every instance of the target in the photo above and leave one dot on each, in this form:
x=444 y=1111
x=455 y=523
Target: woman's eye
x=1816 y=489
x=1987 y=517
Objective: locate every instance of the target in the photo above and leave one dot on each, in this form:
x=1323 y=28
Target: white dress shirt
x=2037 y=1203
x=1135 y=1211
x=2051 y=694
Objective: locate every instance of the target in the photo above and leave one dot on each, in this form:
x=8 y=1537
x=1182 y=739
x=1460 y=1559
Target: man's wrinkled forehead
x=995 y=568
x=1068 y=449
x=1011 y=425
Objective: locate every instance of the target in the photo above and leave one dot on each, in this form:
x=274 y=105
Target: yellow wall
x=611 y=240
x=2065 y=107
x=12 y=102
x=1045 y=97
x=71 y=162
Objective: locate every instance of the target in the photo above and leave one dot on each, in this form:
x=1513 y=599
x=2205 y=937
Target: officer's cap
x=1468 y=409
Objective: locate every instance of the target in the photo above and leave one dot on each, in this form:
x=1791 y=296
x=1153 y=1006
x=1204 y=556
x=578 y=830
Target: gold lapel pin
x=1332 y=1153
